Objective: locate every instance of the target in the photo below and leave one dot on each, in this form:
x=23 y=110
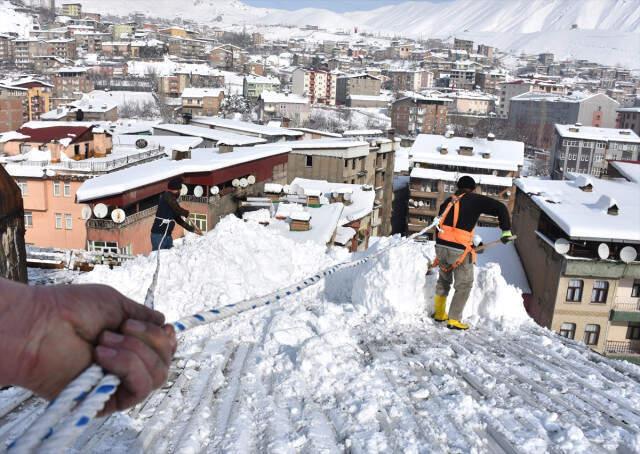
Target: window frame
x=308 y=161
x=599 y=295
x=635 y=288
x=24 y=187
x=199 y=220
x=66 y=189
x=570 y=296
x=569 y=333
x=57 y=189
x=588 y=337
x=633 y=331
x=68 y=221
x=28 y=219
x=58 y=221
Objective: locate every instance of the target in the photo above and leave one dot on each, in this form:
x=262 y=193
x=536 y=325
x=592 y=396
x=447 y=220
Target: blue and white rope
x=54 y=432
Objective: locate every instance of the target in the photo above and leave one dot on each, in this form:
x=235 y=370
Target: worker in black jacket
x=455 y=253
x=169 y=214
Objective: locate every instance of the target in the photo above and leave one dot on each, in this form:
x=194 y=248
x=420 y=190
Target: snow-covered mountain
x=13 y=21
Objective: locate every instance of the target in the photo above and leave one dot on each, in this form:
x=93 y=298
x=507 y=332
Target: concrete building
x=438 y=162
x=24 y=49
x=417 y=114
x=586 y=149
x=202 y=101
x=350 y=161
x=406 y=80
x=356 y=85
x=279 y=106
x=318 y=86
x=136 y=189
x=470 y=103
x=517 y=87
x=70 y=83
x=534 y=115
x=253 y=86
x=13 y=107
x=64 y=48
x=582 y=289
x=463 y=44
x=227 y=56
x=187 y=48
x=629 y=118
x=38 y=96
x=7 y=51
x=72 y=10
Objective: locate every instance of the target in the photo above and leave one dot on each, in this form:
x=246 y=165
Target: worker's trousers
x=461 y=278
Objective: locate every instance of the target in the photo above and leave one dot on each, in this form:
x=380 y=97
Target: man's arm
x=185 y=225
x=493 y=207
x=175 y=207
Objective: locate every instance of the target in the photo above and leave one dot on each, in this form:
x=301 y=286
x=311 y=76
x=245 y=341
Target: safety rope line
x=54 y=432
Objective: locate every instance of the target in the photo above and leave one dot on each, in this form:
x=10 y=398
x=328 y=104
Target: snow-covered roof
x=583 y=215
x=202 y=92
x=433 y=174
x=21 y=171
x=628 y=169
x=12 y=135
x=361 y=200
x=503 y=154
x=324 y=221
x=344 y=235
x=283 y=98
x=244 y=127
x=318 y=132
x=202 y=160
x=266 y=80
x=575 y=97
x=629 y=109
x=220 y=137
x=75 y=69
x=594 y=133
x=167 y=142
x=381 y=98
x=339 y=148
x=363 y=132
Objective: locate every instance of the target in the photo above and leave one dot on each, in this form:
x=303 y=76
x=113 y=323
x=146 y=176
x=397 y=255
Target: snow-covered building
x=210 y=137
x=253 y=86
x=352 y=85
x=318 y=86
x=579 y=242
x=514 y=88
x=629 y=118
x=212 y=180
x=586 y=149
x=349 y=161
x=439 y=161
x=273 y=105
x=414 y=114
x=270 y=133
x=202 y=101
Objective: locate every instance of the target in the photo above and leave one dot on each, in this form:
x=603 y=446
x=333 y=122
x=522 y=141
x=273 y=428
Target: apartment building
x=514 y=88
x=64 y=48
x=38 y=96
x=25 y=49
x=70 y=83
x=534 y=115
x=588 y=287
x=72 y=10
x=227 y=56
x=320 y=87
x=419 y=114
x=406 y=80
x=629 y=118
x=587 y=149
x=6 y=48
x=174 y=85
x=439 y=161
x=491 y=81
x=279 y=106
x=356 y=85
x=202 y=101
x=253 y=85
x=135 y=190
x=463 y=44
x=350 y=161
x=13 y=107
x=470 y=103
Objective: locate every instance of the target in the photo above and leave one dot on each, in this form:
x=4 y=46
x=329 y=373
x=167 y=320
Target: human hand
x=197 y=231
x=506 y=237
x=49 y=335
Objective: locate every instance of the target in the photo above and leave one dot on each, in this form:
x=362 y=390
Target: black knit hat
x=466 y=182
x=175 y=183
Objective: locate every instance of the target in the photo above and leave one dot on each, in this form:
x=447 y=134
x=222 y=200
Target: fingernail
x=136 y=326
x=106 y=352
x=113 y=338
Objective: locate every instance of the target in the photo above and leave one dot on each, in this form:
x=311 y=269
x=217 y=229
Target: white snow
x=629 y=170
x=434 y=174
x=595 y=133
x=244 y=127
x=217 y=136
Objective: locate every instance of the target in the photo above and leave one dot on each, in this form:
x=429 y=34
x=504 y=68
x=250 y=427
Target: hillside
x=13 y=21
x=352 y=364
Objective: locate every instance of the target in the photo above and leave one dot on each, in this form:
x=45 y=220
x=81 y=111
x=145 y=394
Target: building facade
x=356 y=84
x=320 y=87
x=417 y=114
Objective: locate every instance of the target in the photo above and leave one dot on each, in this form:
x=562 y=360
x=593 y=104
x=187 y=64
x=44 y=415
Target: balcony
x=108 y=224
x=622 y=347
x=423 y=211
x=625 y=312
x=194 y=199
x=429 y=194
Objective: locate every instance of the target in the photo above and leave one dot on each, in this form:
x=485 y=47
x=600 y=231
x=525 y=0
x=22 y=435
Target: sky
x=335 y=5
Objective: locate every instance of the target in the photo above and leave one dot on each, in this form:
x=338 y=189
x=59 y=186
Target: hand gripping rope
x=77 y=405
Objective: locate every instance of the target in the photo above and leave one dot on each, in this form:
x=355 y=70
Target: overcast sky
x=336 y=5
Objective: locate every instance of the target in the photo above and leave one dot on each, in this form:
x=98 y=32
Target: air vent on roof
x=444 y=149
x=578 y=124
x=572 y=129
x=486 y=155
x=465 y=151
x=469 y=134
x=448 y=134
x=613 y=210
x=584 y=183
x=491 y=137
x=625 y=133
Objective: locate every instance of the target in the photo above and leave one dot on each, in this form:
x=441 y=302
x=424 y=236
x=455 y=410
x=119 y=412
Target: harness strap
x=454 y=228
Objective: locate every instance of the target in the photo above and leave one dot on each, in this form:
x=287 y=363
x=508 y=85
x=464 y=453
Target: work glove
x=506 y=237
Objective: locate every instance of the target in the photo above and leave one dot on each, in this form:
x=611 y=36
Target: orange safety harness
x=453 y=234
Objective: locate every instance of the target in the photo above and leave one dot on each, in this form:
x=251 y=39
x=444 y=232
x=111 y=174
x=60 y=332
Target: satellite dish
x=118 y=216
x=215 y=190
x=198 y=191
x=244 y=183
x=251 y=179
x=86 y=213
x=100 y=210
x=628 y=254
x=603 y=251
x=141 y=143
x=50 y=173
x=184 y=190
x=562 y=245
x=235 y=183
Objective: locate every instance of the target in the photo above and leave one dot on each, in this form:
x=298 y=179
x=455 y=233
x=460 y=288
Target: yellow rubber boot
x=440 y=305
x=457 y=324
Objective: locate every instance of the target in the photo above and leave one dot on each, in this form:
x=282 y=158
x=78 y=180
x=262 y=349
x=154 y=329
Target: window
x=199 y=220
x=67 y=189
x=56 y=189
x=635 y=290
x=103 y=246
x=28 y=219
x=568 y=330
x=76 y=149
x=633 y=331
x=353 y=164
x=24 y=189
x=68 y=221
x=346 y=163
x=599 y=292
x=591 y=334
x=309 y=161
x=574 y=291
x=58 y=221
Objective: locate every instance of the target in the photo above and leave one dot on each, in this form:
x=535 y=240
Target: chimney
x=224 y=148
x=469 y=134
x=486 y=155
x=444 y=149
x=102 y=143
x=491 y=137
x=55 y=148
x=465 y=151
x=181 y=152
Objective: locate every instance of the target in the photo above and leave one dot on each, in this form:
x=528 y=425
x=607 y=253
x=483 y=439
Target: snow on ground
x=353 y=364
x=13 y=21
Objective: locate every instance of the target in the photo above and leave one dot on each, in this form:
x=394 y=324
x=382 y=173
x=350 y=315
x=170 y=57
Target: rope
x=149 y=298
x=55 y=433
